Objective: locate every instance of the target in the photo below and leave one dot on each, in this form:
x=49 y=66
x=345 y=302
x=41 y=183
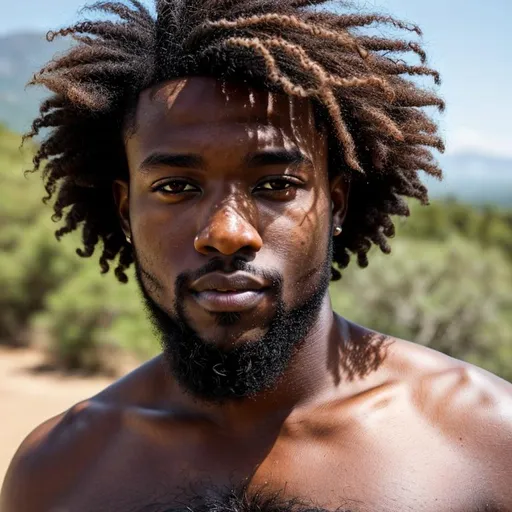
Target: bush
x=34 y=267
x=454 y=297
x=91 y=319
x=45 y=286
x=31 y=263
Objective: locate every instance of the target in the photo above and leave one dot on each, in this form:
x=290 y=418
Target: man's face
x=229 y=209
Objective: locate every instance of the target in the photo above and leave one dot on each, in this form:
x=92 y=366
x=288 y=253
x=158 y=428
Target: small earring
x=338 y=230
x=128 y=239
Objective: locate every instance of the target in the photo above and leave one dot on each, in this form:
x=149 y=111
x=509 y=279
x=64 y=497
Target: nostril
x=228 y=232
x=210 y=249
x=228 y=243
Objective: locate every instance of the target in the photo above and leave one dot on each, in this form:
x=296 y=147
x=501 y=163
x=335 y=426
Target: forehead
x=199 y=103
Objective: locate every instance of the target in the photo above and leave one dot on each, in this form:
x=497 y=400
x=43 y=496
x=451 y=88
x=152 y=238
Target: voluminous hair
x=362 y=89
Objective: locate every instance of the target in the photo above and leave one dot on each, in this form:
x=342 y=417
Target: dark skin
x=414 y=430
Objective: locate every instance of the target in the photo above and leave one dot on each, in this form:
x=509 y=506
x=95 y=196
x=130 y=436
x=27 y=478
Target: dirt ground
x=28 y=397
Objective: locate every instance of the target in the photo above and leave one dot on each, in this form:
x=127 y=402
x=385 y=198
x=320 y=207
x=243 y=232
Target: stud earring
x=338 y=230
x=128 y=239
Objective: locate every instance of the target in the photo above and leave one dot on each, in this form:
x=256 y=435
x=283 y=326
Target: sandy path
x=27 y=399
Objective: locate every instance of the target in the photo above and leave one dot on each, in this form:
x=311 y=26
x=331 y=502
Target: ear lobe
x=339 y=188
x=121 y=192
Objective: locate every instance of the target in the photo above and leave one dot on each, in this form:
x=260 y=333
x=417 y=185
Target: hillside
x=475 y=178
x=469 y=177
x=20 y=56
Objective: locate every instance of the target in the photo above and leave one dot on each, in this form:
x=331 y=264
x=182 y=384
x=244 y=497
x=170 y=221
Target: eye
x=277 y=185
x=175 y=187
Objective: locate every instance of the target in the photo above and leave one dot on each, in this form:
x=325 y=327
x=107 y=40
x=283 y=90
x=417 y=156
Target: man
x=235 y=151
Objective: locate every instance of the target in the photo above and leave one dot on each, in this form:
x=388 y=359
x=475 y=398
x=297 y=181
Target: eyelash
x=289 y=181
x=160 y=187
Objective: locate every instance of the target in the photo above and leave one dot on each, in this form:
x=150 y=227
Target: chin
x=225 y=336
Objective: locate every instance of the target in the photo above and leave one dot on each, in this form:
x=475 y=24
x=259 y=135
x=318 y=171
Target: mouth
x=226 y=293
x=217 y=301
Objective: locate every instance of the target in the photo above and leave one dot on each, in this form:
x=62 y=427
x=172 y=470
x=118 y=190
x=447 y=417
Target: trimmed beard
x=216 y=374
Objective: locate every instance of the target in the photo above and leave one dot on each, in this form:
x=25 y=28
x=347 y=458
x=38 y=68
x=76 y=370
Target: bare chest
x=352 y=468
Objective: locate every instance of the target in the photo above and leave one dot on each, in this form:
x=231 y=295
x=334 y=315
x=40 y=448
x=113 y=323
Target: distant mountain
x=21 y=55
x=469 y=177
x=475 y=178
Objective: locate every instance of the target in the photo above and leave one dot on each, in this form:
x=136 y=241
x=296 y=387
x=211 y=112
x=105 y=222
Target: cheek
x=163 y=243
x=299 y=241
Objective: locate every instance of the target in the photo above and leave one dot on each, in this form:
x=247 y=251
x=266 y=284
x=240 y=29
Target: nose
x=227 y=232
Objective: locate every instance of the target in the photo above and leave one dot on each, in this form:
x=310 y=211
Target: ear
x=121 y=191
x=340 y=188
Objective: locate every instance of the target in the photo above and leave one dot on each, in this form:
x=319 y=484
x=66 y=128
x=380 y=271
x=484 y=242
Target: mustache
x=272 y=276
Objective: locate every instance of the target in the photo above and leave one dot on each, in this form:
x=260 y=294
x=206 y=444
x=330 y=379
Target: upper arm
x=53 y=458
x=21 y=485
x=493 y=444
x=474 y=408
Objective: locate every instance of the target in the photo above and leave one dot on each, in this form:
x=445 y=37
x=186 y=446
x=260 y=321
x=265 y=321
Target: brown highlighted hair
x=362 y=89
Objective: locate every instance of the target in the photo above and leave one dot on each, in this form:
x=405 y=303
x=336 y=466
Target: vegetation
x=448 y=283
x=47 y=292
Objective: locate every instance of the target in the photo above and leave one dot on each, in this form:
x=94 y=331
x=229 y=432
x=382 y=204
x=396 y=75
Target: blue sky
x=469 y=41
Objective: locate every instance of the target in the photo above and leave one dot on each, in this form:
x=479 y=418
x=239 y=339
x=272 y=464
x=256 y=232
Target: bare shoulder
x=471 y=407
x=446 y=388
x=51 y=457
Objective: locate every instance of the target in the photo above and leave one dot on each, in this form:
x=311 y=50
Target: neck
x=308 y=380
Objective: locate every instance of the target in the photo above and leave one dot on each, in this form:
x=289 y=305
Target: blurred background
x=66 y=331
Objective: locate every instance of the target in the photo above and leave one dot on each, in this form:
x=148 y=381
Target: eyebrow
x=277 y=157
x=263 y=158
x=185 y=161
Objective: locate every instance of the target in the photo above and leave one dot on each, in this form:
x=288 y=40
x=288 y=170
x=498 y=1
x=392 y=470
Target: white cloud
x=492 y=144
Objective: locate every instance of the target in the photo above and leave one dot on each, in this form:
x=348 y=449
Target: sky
x=468 y=41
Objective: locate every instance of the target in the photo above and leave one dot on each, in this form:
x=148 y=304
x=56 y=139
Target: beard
x=216 y=373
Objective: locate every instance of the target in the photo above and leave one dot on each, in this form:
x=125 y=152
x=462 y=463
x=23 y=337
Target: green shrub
x=91 y=319
x=452 y=296
x=31 y=262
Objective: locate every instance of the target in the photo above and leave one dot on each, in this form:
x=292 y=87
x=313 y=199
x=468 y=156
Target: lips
x=233 y=282
x=235 y=292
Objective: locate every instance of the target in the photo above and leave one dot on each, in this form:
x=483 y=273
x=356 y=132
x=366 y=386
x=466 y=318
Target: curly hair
x=361 y=88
